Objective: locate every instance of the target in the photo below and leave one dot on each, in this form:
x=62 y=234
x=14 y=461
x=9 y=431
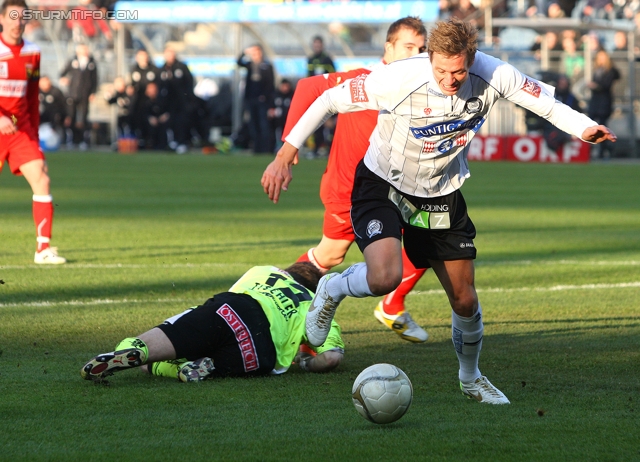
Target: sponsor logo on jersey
x=473 y=106
x=444 y=128
x=358 y=95
x=531 y=87
x=427 y=111
x=464 y=245
x=13 y=88
x=4 y=70
x=243 y=337
x=435 y=207
x=443 y=145
x=374 y=228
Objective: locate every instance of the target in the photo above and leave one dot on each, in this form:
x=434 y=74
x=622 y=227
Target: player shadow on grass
x=133 y=290
x=200 y=250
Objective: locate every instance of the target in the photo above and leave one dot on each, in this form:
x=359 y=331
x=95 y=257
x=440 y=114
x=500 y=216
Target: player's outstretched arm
x=323 y=362
x=278 y=175
x=598 y=134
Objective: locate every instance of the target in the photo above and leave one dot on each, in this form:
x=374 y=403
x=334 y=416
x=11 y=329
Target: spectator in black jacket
x=258 y=98
x=121 y=96
x=156 y=117
x=178 y=81
x=319 y=63
x=81 y=78
x=53 y=106
x=281 y=103
x=143 y=72
x=601 y=103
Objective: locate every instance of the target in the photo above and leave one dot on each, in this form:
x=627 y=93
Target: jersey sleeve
x=539 y=98
x=357 y=94
x=309 y=89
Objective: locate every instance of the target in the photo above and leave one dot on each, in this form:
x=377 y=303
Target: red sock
x=393 y=303
x=308 y=256
x=43 y=217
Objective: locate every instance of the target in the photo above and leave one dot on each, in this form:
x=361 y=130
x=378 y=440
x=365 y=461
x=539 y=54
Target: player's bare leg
x=457 y=279
x=35 y=172
x=391 y=310
x=379 y=275
x=327 y=254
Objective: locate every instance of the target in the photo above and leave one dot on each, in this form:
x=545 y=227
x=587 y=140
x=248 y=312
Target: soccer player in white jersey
x=431 y=106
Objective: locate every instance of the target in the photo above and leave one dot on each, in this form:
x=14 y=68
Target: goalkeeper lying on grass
x=257 y=328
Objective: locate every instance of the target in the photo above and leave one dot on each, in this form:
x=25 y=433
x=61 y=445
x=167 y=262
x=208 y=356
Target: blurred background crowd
x=207 y=86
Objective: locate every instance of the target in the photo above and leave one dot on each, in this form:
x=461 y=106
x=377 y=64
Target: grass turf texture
x=558 y=274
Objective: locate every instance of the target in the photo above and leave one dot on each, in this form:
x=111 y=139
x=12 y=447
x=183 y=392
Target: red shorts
x=337 y=221
x=18 y=149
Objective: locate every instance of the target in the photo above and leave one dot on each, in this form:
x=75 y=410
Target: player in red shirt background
x=405 y=38
x=19 y=121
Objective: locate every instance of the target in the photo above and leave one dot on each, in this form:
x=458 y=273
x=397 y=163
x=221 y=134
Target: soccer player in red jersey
x=405 y=38
x=19 y=121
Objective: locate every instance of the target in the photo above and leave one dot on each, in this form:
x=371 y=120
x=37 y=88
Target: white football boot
x=49 y=256
x=323 y=309
x=483 y=391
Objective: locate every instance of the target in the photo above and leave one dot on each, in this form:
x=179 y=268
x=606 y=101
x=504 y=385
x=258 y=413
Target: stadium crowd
x=163 y=107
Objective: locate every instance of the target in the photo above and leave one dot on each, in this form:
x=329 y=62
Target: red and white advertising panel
x=526 y=149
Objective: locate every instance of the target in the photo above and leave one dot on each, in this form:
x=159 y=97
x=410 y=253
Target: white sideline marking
x=97 y=301
x=560 y=262
x=620 y=285
x=126 y=265
x=71 y=266
x=108 y=301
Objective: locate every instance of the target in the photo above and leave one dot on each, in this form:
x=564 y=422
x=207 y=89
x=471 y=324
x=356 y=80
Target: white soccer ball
x=382 y=393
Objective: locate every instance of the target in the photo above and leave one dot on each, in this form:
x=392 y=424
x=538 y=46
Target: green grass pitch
x=558 y=276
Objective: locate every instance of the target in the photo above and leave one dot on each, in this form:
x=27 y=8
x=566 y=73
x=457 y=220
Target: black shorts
x=433 y=228
x=232 y=329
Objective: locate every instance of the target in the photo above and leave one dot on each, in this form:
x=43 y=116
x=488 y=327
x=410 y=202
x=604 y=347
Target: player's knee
x=465 y=304
x=383 y=281
x=41 y=182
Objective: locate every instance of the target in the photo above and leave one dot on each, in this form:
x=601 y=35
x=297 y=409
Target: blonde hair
x=603 y=60
x=453 y=38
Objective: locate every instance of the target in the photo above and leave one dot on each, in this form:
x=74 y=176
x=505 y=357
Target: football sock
x=393 y=303
x=134 y=342
x=43 y=217
x=467 y=339
x=165 y=369
x=352 y=282
x=310 y=257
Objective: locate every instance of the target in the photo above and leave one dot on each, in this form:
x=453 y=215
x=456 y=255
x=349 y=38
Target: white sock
x=352 y=282
x=467 y=335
